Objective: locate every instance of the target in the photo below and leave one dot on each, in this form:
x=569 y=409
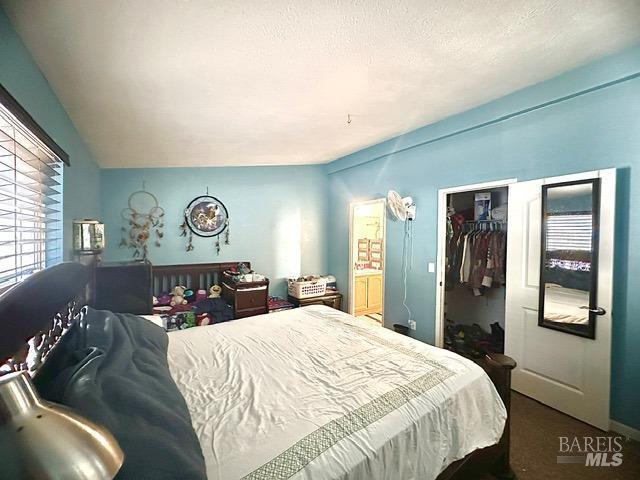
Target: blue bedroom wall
x=583 y=120
x=22 y=78
x=277 y=216
x=291 y=220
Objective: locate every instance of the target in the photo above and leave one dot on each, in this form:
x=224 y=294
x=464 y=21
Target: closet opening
x=367 y=247
x=472 y=269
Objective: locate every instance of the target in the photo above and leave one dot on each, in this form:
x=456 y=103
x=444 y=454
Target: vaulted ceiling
x=253 y=82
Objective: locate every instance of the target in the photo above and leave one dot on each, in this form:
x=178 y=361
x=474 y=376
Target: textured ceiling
x=228 y=82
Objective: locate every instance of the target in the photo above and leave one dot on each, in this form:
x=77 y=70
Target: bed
x=301 y=394
x=565 y=305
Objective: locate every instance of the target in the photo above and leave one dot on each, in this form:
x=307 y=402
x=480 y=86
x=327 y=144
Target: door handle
x=597 y=310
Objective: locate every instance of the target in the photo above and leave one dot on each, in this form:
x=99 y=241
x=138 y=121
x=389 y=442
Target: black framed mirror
x=569 y=257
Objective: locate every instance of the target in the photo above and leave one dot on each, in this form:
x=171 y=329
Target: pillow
x=112 y=368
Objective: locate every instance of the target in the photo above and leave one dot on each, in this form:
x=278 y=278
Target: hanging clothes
x=476 y=258
x=465 y=267
x=495 y=271
x=478 y=261
x=453 y=253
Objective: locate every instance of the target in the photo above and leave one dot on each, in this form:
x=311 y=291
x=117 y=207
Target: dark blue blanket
x=112 y=369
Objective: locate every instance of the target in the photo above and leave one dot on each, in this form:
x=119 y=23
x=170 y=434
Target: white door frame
x=352 y=277
x=442 y=251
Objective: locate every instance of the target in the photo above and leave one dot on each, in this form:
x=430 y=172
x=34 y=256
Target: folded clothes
x=499 y=213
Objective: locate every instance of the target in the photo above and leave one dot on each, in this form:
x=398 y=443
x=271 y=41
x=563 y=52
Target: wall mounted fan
x=401 y=208
x=404 y=209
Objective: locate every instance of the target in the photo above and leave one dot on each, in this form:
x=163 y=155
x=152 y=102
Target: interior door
x=568 y=372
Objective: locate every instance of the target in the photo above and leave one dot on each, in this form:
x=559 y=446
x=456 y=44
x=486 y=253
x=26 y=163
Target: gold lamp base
x=39 y=439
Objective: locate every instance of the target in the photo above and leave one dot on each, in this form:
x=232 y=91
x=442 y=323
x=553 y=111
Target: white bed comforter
x=313 y=393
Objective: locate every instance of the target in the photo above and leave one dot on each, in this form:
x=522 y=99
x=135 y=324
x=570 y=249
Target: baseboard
x=625 y=430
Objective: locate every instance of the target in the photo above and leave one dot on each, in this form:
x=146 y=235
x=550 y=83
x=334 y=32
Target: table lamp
x=43 y=440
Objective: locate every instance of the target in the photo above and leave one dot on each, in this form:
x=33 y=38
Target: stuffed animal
x=203 y=319
x=178 y=296
x=214 y=291
x=163 y=299
x=190 y=319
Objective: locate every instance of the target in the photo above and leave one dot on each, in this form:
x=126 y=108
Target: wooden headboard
x=193 y=276
x=41 y=308
x=35 y=313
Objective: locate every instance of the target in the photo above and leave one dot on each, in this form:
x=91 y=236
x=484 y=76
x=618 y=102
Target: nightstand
x=332 y=299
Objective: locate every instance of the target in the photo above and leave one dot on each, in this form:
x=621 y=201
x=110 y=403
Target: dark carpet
x=535 y=432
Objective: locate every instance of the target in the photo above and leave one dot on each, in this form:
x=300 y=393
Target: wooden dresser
x=246 y=298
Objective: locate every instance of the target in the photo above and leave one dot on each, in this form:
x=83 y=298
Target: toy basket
x=311 y=288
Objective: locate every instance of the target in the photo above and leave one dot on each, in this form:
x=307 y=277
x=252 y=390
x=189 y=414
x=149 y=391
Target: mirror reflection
x=569 y=257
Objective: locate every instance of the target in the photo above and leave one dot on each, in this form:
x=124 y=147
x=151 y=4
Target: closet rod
x=486 y=221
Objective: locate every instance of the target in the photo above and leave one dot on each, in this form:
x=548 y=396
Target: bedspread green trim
x=299 y=455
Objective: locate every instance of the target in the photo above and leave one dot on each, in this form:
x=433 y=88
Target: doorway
x=367 y=242
x=472 y=268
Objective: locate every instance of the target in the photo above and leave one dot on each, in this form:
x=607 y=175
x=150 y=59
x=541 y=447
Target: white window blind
x=30 y=202
x=569 y=232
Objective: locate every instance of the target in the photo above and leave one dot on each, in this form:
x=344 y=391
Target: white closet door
x=567 y=372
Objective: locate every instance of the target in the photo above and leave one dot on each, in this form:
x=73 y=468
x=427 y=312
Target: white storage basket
x=312 y=288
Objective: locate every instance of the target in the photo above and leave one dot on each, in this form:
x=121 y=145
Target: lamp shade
x=42 y=440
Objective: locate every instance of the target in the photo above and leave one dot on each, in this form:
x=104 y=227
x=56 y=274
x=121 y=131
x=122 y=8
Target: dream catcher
x=145 y=220
x=205 y=216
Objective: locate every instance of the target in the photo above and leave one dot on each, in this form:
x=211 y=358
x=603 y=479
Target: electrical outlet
x=412 y=324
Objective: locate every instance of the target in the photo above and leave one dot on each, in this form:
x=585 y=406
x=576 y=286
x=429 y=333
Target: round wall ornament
x=206 y=216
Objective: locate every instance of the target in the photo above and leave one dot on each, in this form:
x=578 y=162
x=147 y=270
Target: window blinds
x=30 y=202
x=569 y=232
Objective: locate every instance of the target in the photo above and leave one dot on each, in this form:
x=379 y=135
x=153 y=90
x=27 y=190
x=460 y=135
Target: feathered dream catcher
x=145 y=221
x=205 y=216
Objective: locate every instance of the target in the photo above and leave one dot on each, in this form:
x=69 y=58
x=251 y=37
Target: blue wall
x=277 y=215
x=586 y=119
x=23 y=79
x=583 y=120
